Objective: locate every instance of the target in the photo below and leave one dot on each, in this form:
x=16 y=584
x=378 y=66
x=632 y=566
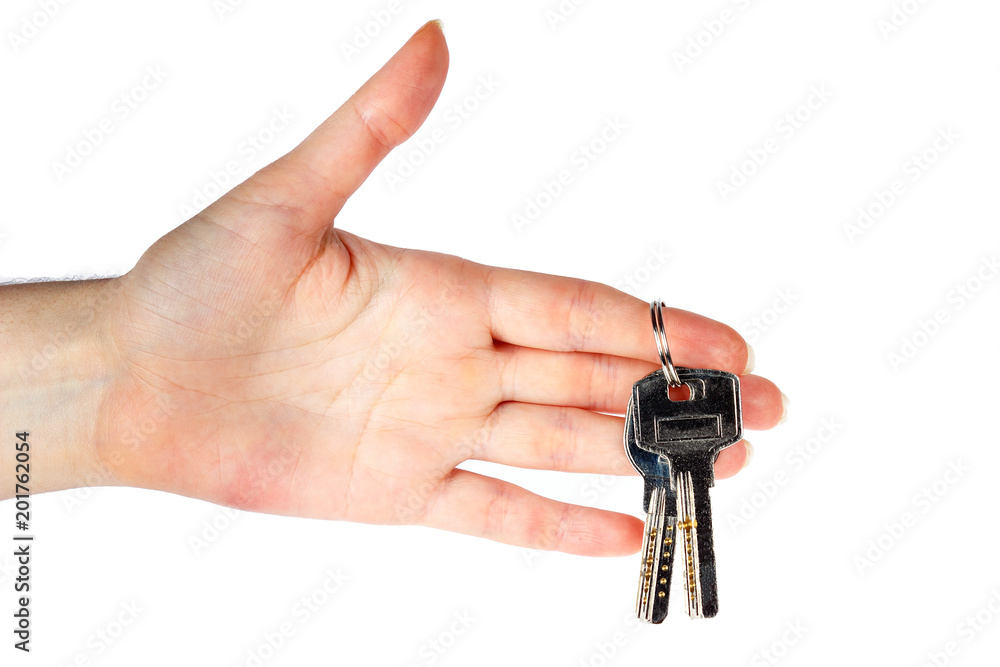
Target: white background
x=815 y=544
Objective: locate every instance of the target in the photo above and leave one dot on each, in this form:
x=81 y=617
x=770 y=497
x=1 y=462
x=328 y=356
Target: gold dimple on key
x=688 y=526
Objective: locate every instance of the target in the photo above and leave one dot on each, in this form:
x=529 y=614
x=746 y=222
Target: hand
x=263 y=359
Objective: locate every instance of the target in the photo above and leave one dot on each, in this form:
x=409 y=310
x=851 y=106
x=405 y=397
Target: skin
x=260 y=358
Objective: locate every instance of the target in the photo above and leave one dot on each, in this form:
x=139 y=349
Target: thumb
x=314 y=180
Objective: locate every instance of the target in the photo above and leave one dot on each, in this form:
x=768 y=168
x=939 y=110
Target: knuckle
x=582 y=315
x=564 y=443
x=381 y=126
x=495 y=516
x=604 y=380
x=550 y=529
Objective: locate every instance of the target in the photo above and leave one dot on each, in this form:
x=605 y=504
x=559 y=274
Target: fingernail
x=749 y=458
x=439 y=24
x=784 y=408
x=751 y=360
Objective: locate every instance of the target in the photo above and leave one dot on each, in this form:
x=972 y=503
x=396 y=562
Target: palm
x=275 y=364
x=302 y=403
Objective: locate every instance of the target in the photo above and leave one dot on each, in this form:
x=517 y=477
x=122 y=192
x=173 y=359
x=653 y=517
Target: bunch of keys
x=674 y=443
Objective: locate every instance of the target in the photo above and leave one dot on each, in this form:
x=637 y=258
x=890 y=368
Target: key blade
x=658 y=542
x=657 y=560
x=695 y=539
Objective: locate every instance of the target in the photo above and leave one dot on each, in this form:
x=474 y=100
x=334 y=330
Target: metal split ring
x=660 y=333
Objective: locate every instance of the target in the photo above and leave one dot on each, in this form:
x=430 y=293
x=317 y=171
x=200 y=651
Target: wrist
x=55 y=374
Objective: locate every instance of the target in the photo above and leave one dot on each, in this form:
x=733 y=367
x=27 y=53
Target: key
x=660 y=505
x=689 y=434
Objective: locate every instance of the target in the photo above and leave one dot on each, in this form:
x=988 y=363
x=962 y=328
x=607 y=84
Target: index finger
x=572 y=315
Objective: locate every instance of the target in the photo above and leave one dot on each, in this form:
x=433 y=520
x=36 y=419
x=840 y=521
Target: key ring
x=660 y=333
